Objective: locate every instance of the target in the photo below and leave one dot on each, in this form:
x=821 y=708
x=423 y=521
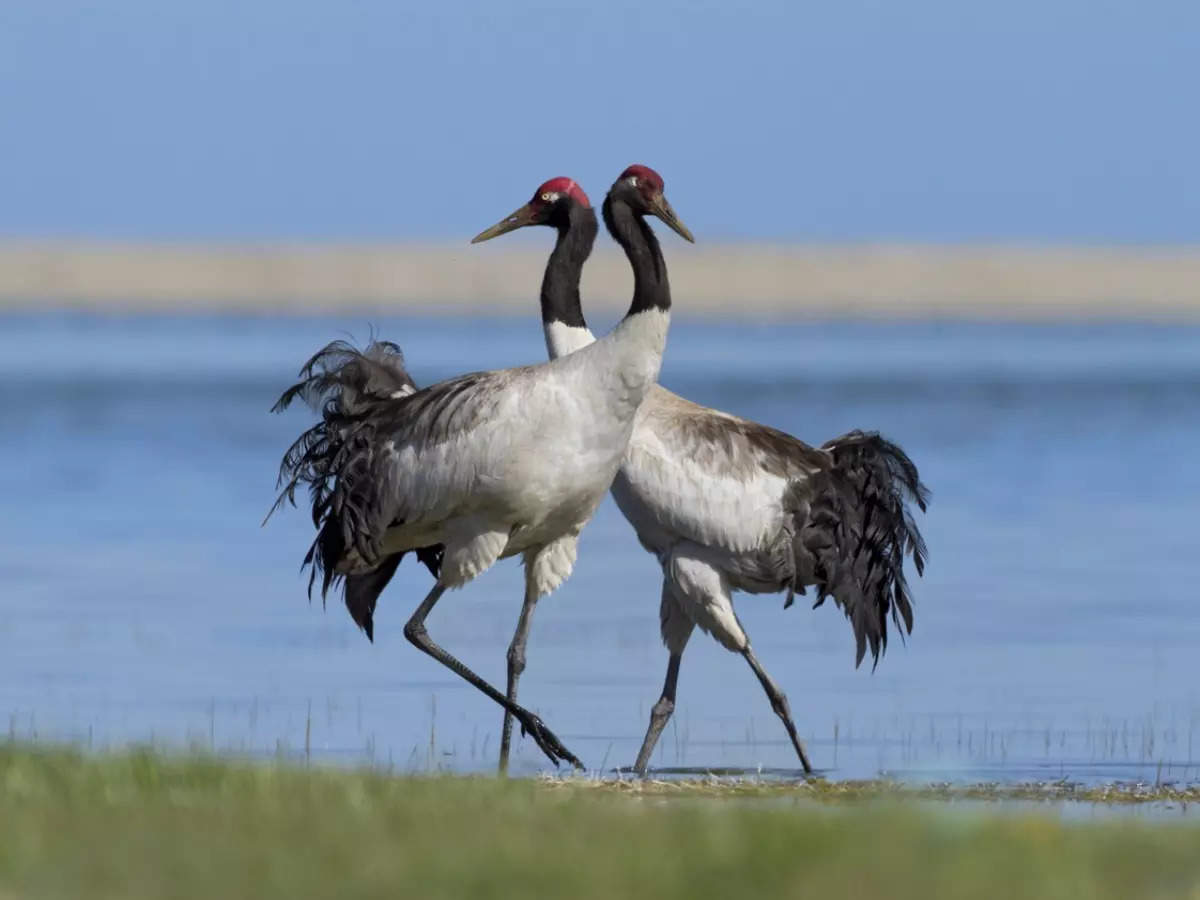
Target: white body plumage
x=523 y=458
x=704 y=501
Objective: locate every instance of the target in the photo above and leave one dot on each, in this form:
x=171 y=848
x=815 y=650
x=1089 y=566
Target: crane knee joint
x=782 y=708
x=663 y=708
x=516 y=660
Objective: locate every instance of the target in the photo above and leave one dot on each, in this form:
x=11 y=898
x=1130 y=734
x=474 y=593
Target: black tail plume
x=345 y=385
x=854 y=526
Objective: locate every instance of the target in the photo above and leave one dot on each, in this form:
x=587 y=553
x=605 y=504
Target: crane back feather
x=334 y=459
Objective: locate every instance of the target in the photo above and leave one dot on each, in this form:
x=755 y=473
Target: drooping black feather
x=853 y=529
x=350 y=388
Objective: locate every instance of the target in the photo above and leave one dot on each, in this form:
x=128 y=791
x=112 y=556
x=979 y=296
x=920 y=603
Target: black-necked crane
x=727 y=504
x=477 y=468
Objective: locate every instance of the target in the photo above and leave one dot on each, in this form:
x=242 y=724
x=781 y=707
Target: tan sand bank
x=751 y=280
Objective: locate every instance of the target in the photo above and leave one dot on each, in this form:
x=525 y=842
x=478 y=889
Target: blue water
x=1056 y=629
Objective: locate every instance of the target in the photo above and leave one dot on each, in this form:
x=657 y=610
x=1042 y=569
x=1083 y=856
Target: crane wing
x=775 y=511
x=708 y=477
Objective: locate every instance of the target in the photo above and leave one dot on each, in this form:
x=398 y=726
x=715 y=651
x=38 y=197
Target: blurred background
x=973 y=227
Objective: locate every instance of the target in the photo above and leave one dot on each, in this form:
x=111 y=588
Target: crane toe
x=535 y=728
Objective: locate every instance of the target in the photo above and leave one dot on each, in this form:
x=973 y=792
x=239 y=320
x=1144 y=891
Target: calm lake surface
x=1056 y=629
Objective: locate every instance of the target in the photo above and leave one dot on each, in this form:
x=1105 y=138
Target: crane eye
x=632 y=181
x=546 y=197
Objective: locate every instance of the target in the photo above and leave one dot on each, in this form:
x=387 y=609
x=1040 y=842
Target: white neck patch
x=562 y=340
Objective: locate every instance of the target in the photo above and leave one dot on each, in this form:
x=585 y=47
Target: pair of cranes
x=515 y=462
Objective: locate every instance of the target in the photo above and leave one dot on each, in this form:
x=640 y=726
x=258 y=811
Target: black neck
x=651 y=290
x=560 y=284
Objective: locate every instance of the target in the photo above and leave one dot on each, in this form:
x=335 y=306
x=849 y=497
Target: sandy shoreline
x=773 y=282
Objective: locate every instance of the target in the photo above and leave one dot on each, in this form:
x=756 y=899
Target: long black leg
x=660 y=714
x=415 y=631
x=779 y=703
x=516 y=665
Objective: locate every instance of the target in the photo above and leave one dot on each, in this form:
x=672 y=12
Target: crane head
x=551 y=203
x=642 y=188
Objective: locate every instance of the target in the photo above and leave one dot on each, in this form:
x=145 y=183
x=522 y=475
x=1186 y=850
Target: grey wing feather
x=704 y=476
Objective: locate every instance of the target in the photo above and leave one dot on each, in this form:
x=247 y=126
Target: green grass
x=142 y=825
